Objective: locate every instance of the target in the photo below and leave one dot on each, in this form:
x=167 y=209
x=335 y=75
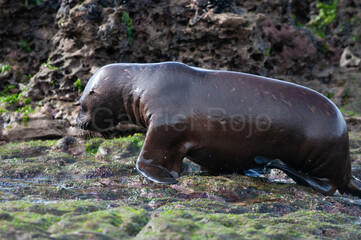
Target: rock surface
x=89 y=189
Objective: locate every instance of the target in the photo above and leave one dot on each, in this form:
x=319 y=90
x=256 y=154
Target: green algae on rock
x=102 y=184
x=69 y=219
x=121 y=222
x=49 y=189
x=187 y=224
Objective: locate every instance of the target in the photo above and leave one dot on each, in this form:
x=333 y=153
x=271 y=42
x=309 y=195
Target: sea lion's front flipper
x=354 y=187
x=162 y=154
x=322 y=185
x=155 y=173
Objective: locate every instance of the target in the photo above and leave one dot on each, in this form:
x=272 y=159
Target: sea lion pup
x=224 y=121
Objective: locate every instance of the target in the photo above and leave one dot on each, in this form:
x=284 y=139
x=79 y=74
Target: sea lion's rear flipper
x=354 y=187
x=253 y=172
x=161 y=157
x=323 y=186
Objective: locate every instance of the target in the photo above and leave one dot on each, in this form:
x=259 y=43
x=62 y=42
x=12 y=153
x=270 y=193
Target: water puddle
x=11 y=183
x=44 y=189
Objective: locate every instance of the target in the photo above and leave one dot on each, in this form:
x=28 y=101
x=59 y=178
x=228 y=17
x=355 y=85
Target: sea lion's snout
x=83 y=125
x=82 y=122
x=97 y=119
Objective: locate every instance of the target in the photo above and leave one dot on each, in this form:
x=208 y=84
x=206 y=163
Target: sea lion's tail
x=353 y=187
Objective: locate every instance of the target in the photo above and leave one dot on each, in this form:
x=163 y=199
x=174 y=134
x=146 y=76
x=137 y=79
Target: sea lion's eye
x=83 y=108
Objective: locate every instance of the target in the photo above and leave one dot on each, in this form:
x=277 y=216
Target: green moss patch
x=70 y=218
x=185 y=224
x=53 y=189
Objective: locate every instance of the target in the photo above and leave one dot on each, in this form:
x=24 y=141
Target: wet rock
x=5 y=216
x=348 y=59
x=293 y=46
x=36 y=126
x=65 y=143
x=70 y=145
x=122 y=222
x=26 y=39
x=103 y=172
x=107 y=198
x=116 y=201
x=27 y=152
x=276 y=209
x=120 y=150
x=179 y=224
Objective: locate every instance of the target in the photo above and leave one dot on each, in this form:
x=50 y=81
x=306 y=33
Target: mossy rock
x=70 y=219
x=186 y=224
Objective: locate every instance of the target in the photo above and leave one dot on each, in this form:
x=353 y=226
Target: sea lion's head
x=101 y=101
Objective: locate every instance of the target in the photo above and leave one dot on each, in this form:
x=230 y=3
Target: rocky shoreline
x=58 y=182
